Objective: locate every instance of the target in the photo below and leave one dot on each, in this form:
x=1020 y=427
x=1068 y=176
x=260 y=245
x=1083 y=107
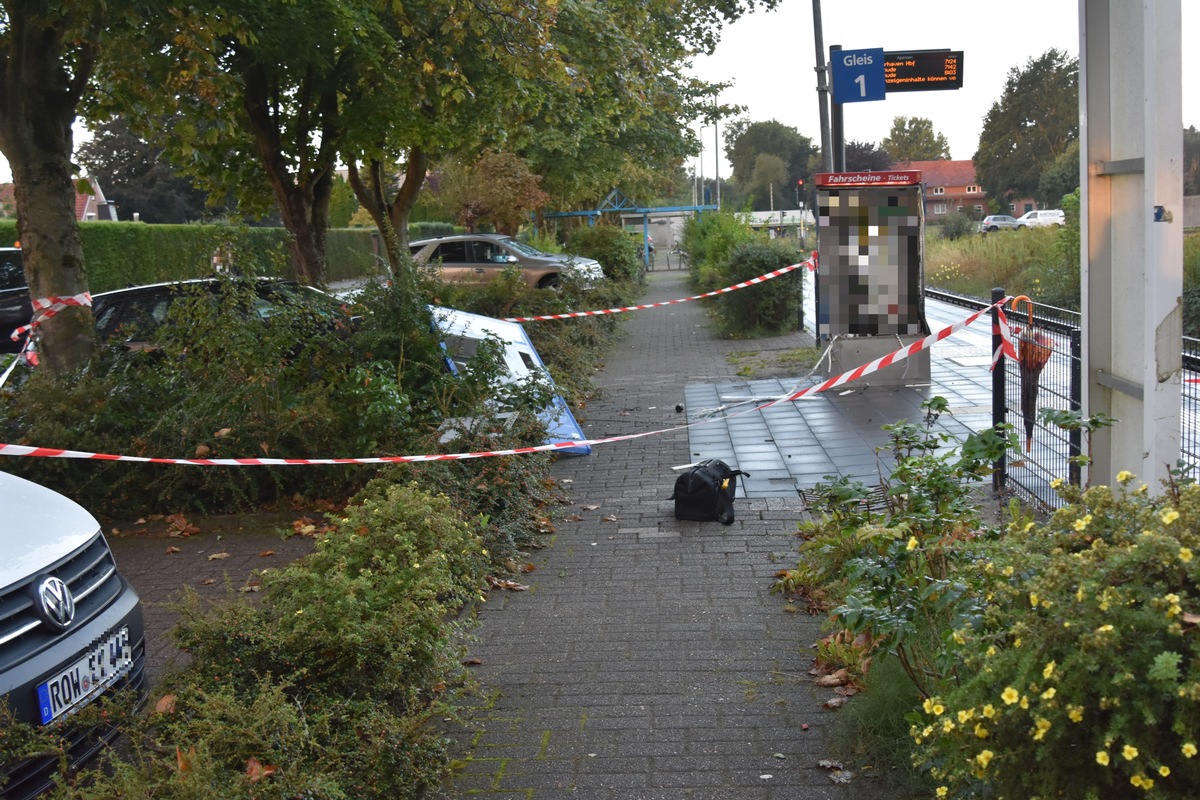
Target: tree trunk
x=303 y=194
x=38 y=97
x=391 y=217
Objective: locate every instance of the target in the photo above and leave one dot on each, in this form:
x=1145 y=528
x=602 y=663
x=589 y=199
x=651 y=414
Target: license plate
x=79 y=683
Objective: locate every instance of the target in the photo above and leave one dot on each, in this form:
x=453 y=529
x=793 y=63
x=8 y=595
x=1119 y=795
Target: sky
x=770 y=57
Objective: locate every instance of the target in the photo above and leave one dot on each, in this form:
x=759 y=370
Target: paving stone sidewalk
x=649 y=659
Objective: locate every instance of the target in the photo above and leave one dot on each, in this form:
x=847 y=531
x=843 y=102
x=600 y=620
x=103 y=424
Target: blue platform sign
x=857 y=75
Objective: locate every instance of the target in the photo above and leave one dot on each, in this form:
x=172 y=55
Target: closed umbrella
x=1033 y=351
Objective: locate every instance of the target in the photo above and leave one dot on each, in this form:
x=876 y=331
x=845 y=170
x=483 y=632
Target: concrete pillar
x=1131 y=178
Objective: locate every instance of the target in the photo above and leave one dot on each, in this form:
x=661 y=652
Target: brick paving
x=648 y=659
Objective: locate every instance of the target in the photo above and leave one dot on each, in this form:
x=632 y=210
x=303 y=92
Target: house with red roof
x=92 y=207
x=950 y=186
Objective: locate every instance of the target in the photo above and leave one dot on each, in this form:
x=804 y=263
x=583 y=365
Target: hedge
x=122 y=254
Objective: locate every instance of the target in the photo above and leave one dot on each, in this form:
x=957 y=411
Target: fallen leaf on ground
x=218 y=556
x=178 y=525
x=841 y=776
x=252 y=586
x=503 y=583
x=172 y=549
x=609 y=518
x=165 y=704
x=472 y=662
x=266 y=553
x=221 y=434
x=202 y=450
x=834 y=702
x=208 y=581
x=572 y=518
x=590 y=506
x=829 y=763
x=256 y=771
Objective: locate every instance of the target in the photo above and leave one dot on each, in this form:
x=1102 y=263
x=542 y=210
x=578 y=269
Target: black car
x=70 y=625
x=138 y=312
x=15 y=308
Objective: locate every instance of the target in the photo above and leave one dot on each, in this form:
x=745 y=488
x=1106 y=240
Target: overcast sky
x=770 y=56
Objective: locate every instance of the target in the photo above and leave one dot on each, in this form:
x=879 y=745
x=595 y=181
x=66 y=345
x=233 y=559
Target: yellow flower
x=1017 y=642
x=913 y=544
x=958 y=637
x=1188 y=749
x=1079 y=595
x=963 y=716
x=938 y=709
x=980 y=731
x=942 y=791
x=1042 y=725
x=947 y=725
x=1185 y=554
x=991 y=651
x=928 y=706
x=1033 y=600
x=1164 y=770
x=1007 y=571
x=1130 y=752
x=1048 y=670
x=1104 y=629
x=1082 y=523
x=1102 y=758
x=1075 y=714
x=1057 y=482
x=1049 y=693
x=1024 y=701
x=1124 y=476
x=1009 y=696
x=1169 y=516
x=984 y=758
x=989 y=711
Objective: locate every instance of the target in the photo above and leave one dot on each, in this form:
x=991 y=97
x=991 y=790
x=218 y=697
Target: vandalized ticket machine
x=871 y=284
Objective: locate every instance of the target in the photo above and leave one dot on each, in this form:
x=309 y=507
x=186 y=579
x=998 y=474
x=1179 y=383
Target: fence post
x=999 y=399
x=1076 y=390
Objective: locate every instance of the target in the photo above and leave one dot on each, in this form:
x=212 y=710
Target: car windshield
x=521 y=247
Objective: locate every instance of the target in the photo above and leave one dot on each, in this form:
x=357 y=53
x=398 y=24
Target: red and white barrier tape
x=46 y=307
x=845 y=377
x=810 y=263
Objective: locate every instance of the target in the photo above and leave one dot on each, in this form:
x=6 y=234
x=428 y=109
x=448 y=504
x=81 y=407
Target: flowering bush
x=1084 y=668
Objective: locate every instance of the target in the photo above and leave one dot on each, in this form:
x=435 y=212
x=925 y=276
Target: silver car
x=70 y=625
x=997 y=222
x=482 y=257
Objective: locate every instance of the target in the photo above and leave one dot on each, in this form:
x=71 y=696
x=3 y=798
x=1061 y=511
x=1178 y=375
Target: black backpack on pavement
x=705 y=490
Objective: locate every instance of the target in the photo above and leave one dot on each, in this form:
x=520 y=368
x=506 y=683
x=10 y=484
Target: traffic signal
x=800 y=182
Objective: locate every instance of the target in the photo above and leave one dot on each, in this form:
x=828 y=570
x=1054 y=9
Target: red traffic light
x=800 y=182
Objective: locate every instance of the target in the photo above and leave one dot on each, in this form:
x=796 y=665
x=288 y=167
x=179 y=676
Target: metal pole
x=717 y=146
x=837 y=133
x=1075 y=445
x=822 y=70
x=999 y=400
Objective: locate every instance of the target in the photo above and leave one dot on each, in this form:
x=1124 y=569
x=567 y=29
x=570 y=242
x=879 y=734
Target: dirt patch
x=774 y=363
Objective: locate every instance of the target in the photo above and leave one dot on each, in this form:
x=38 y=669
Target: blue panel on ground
x=521 y=359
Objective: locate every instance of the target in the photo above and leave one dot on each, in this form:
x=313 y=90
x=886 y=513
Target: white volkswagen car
x=70 y=624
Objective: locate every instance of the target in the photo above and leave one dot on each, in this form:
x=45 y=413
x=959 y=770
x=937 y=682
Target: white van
x=1041 y=219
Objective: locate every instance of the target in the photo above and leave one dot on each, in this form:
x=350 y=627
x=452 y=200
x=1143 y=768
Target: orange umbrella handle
x=1013 y=305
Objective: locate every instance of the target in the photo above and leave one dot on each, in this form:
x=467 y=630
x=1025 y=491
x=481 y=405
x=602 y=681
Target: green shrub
x=765 y=308
x=612 y=247
x=222 y=385
x=708 y=241
x=1084 y=667
x=329 y=686
x=427 y=230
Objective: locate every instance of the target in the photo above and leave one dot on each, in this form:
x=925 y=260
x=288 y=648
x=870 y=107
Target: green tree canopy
x=1029 y=127
x=862 y=156
x=498 y=188
x=134 y=175
x=746 y=142
x=913 y=139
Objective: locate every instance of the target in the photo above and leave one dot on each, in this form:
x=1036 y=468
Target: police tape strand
x=846 y=377
x=44 y=308
x=810 y=263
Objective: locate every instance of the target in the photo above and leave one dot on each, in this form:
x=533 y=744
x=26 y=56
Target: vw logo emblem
x=55 y=602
